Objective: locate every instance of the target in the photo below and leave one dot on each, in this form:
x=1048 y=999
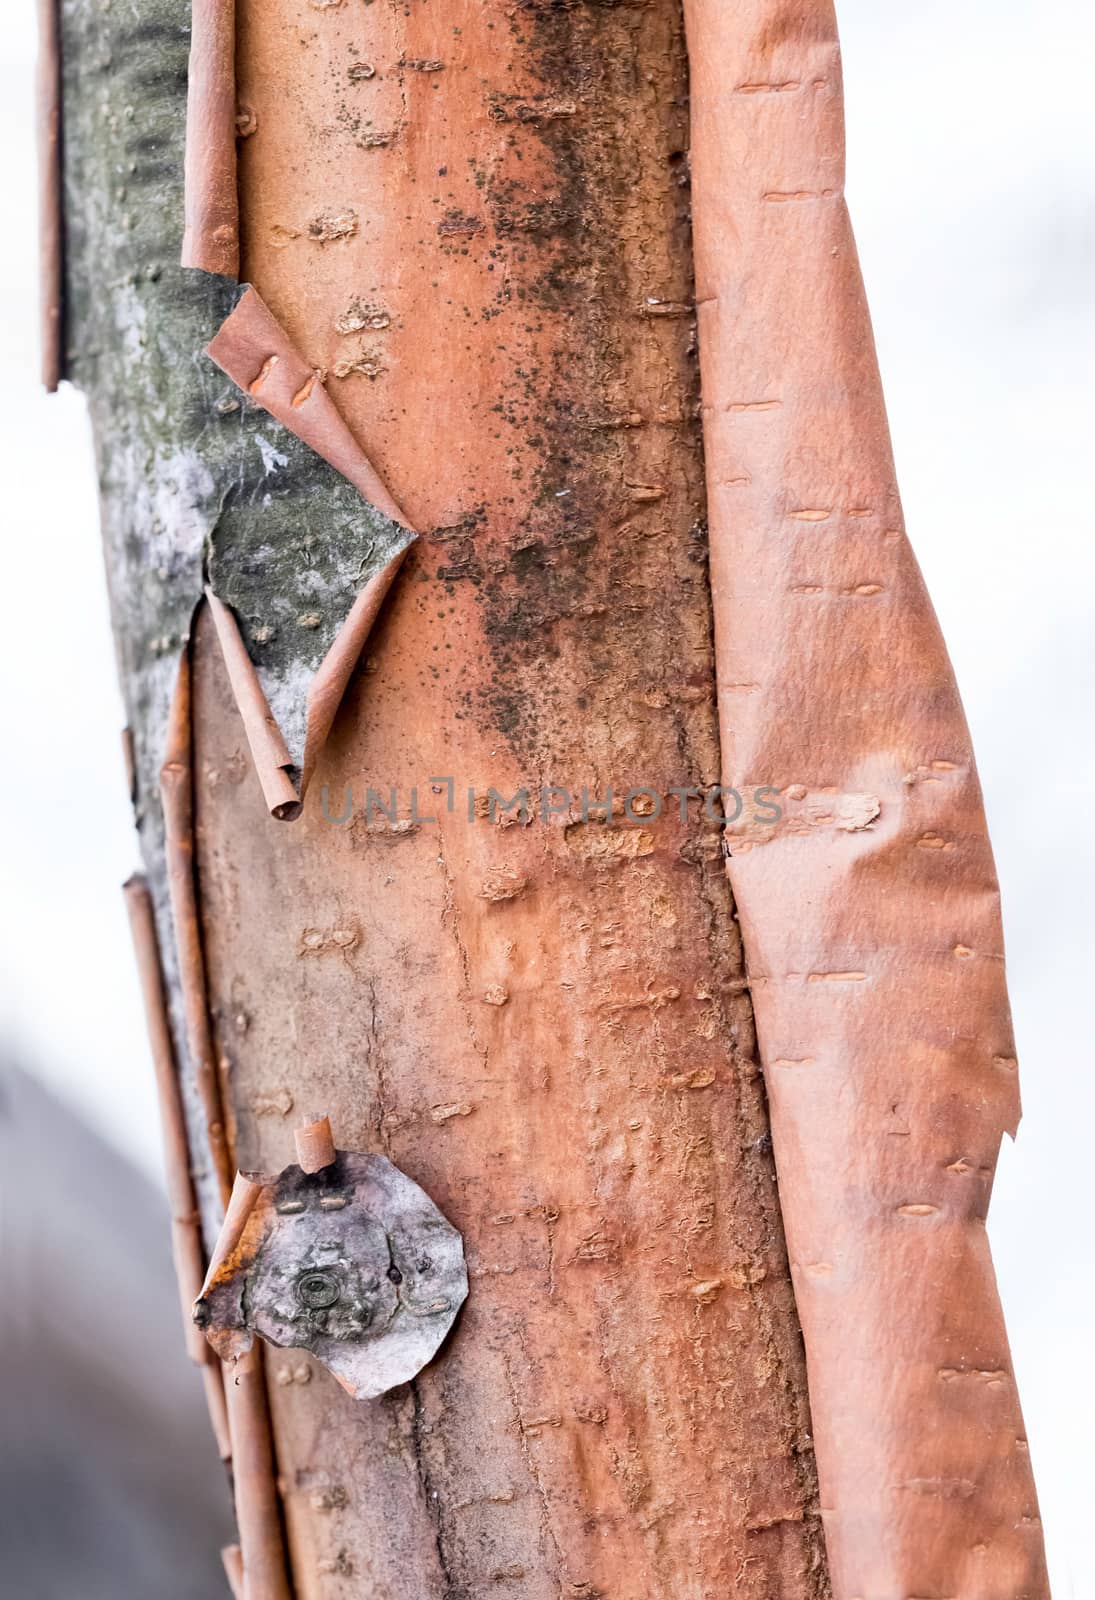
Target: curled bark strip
x=258 y=1513
x=185 y=1223
x=874 y=945
x=269 y=751
x=329 y=684
x=245 y=1195
x=176 y=790
x=50 y=203
x=211 y=237
x=273 y=762
x=254 y=351
x=233 y=1570
x=254 y=1475
x=315 y=1145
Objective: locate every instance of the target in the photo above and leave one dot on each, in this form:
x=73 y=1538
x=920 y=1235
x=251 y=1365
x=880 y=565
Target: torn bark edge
x=211 y=234
x=232 y=1562
x=50 y=198
x=227 y=1255
x=186 y=1242
x=258 y=1508
x=273 y=763
x=239 y=1241
x=315 y=1147
x=253 y=349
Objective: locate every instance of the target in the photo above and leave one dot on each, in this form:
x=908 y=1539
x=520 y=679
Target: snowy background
x=971 y=179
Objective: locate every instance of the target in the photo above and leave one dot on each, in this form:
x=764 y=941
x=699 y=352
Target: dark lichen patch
x=569 y=601
x=543 y=219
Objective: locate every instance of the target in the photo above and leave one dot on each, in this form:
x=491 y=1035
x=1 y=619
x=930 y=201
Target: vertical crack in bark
x=451 y=915
x=431 y=1496
x=376 y=1062
x=547 y=1528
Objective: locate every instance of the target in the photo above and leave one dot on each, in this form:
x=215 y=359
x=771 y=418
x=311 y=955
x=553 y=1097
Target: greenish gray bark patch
x=196 y=482
x=291 y=547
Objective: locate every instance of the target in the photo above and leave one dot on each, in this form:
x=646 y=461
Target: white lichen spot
x=272 y=458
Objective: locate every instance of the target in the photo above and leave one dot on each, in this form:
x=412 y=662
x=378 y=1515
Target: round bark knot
x=317 y=1291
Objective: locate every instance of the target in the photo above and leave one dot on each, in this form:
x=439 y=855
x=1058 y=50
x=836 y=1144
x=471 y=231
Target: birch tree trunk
x=475 y=220
x=496 y=942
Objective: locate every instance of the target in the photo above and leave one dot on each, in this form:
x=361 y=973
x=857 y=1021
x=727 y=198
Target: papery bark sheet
x=351 y=1262
x=870 y=910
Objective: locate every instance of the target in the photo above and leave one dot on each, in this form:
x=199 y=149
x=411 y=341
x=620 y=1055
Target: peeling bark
x=484 y=241
x=193 y=477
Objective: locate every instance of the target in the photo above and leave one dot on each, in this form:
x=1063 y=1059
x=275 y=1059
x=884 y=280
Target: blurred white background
x=971 y=179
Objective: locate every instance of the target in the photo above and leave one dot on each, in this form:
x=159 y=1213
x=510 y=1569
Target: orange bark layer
x=475 y=220
x=870 y=911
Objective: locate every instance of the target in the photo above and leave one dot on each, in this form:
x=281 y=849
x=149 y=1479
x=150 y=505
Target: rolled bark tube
x=50 y=211
x=211 y=238
x=185 y=1222
x=315 y=1146
x=233 y=1570
x=176 y=790
x=254 y=1476
x=258 y=1512
x=245 y=1194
